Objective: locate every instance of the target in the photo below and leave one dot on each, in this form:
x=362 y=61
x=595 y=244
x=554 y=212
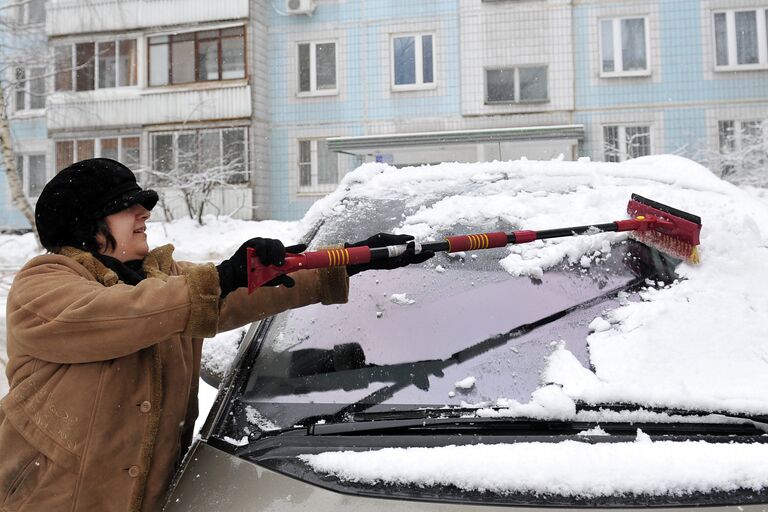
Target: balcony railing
x=136 y=107
x=66 y=17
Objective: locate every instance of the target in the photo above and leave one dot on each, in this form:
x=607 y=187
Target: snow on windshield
x=699 y=343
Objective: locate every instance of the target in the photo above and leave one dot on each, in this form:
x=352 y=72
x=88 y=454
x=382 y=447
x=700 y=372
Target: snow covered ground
x=699 y=343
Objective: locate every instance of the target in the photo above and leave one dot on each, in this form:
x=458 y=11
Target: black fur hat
x=77 y=197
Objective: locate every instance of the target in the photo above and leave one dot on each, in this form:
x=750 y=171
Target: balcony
x=67 y=17
x=128 y=106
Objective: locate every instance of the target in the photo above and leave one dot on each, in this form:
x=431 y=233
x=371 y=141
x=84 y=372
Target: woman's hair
x=86 y=238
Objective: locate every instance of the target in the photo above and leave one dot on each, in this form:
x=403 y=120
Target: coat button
x=145 y=406
x=133 y=471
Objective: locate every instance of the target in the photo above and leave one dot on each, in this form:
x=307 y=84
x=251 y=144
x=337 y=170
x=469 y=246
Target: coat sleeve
x=327 y=286
x=58 y=315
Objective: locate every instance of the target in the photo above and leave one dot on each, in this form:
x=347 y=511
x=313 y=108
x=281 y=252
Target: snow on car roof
x=701 y=343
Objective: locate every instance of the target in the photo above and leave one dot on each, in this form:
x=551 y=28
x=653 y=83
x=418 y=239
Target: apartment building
x=162 y=86
x=281 y=98
x=688 y=77
x=412 y=83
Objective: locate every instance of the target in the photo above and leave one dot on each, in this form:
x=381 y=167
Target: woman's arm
x=57 y=314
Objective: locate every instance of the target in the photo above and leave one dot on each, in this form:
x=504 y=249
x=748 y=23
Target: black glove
x=233 y=273
x=383 y=240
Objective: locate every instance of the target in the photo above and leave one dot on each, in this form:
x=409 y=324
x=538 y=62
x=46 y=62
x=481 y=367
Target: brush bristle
x=668 y=244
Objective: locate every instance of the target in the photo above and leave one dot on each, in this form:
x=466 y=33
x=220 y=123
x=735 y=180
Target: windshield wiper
x=758 y=420
x=430 y=425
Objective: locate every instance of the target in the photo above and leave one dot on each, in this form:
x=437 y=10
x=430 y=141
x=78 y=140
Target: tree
x=195 y=179
x=741 y=156
x=16 y=18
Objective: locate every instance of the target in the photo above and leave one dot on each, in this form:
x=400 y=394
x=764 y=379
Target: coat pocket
x=25 y=483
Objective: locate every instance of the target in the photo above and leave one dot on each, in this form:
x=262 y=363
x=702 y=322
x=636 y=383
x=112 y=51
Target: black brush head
x=668 y=209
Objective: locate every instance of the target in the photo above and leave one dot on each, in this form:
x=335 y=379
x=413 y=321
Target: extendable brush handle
x=259 y=274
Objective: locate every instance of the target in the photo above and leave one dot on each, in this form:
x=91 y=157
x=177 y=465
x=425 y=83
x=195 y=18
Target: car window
x=444 y=333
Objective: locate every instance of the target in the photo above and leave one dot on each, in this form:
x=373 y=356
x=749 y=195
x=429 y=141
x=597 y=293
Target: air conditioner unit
x=300 y=6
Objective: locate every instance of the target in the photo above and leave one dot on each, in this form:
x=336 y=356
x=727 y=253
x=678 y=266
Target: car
x=587 y=371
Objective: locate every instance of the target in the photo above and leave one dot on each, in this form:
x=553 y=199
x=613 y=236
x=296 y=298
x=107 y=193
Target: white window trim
x=25 y=110
x=622 y=137
x=220 y=129
x=23 y=8
x=419 y=85
x=315 y=188
x=738 y=132
x=517 y=100
x=730 y=23
x=313 y=90
x=618 y=55
x=25 y=171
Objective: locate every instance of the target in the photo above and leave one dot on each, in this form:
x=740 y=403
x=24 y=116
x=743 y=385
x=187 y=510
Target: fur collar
x=157 y=264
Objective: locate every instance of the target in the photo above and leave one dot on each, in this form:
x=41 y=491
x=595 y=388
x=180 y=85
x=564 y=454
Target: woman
x=104 y=343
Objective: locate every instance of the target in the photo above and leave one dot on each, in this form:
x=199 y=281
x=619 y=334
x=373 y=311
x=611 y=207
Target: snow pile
x=568 y=468
x=467 y=383
x=220 y=351
x=15 y=250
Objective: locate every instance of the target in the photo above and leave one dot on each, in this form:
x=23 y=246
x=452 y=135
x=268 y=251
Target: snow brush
x=668 y=229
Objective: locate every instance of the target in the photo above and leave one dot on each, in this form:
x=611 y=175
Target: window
x=29 y=88
x=124 y=149
x=742 y=145
x=197 y=56
x=317 y=68
x=624 y=47
x=741 y=39
x=412 y=61
x=32 y=173
x=30 y=12
x=624 y=142
x=516 y=85
x=318 y=166
x=89 y=66
x=221 y=154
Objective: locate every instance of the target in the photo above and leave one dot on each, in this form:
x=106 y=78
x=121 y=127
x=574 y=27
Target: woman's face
x=129 y=229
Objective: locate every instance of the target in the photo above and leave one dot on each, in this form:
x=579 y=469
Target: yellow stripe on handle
x=338 y=257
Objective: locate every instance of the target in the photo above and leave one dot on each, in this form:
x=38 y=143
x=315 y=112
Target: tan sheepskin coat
x=104 y=376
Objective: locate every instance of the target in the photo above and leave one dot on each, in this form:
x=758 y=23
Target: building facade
x=273 y=101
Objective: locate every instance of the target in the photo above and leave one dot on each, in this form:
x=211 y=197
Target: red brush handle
x=473 y=242
x=259 y=274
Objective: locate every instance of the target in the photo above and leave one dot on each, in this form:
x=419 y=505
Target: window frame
x=517 y=100
x=247 y=175
x=618 y=48
x=314 y=188
x=97 y=150
x=24 y=170
x=313 y=90
x=419 y=84
x=761 y=14
x=23 y=13
x=196 y=40
x=622 y=152
x=734 y=140
x=96 y=65
x=24 y=86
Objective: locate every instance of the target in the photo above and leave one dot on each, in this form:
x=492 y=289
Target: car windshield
x=455 y=331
